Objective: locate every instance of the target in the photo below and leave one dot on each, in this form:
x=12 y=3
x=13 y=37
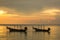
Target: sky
x=29 y=11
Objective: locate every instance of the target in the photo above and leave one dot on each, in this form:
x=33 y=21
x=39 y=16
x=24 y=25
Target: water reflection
x=3 y=36
x=23 y=36
x=16 y=36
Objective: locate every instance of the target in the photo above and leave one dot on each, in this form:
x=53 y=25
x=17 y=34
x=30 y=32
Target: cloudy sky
x=29 y=11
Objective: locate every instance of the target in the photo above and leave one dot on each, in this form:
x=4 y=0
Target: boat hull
x=41 y=30
x=16 y=30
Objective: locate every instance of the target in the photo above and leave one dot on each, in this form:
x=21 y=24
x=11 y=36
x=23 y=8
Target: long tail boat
x=41 y=30
x=17 y=30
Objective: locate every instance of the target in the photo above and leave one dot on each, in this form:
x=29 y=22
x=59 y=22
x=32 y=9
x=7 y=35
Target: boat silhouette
x=41 y=30
x=17 y=30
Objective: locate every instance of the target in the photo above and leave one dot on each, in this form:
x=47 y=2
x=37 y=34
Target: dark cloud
x=28 y=6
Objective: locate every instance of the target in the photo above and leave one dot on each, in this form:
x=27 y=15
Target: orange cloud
x=12 y=16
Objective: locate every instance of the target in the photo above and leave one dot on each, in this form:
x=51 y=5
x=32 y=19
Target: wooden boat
x=17 y=30
x=41 y=30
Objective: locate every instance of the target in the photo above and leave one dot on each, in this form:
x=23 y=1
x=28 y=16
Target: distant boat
x=41 y=30
x=17 y=30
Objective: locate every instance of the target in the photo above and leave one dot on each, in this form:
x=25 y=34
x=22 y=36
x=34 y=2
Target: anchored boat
x=17 y=30
x=41 y=30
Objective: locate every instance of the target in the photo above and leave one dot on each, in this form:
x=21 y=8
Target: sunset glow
x=2 y=12
x=51 y=12
x=29 y=19
x=14 y=17
x=29 y=12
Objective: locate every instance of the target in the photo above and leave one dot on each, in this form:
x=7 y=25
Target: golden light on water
x=3 y=29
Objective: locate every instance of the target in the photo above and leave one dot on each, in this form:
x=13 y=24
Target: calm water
x=31 y=35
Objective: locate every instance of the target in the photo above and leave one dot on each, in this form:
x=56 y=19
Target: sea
x=54 y=34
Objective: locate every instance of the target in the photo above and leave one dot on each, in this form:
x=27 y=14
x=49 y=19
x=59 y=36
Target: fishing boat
x=17 y=30
x=41 y=30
